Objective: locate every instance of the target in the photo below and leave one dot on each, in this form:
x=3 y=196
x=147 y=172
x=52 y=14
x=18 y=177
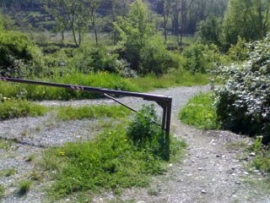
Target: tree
x=248 y=19
x=92 y=6
x=209 y=31
x=166 y=11
x=141 y=46
x=75 y=15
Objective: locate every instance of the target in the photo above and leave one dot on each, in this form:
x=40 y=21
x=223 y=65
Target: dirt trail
x=211 y=171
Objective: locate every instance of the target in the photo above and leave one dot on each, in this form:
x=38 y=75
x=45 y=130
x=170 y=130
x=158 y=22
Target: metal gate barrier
x=164 y=102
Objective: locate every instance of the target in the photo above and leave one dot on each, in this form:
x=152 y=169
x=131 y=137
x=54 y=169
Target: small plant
x=2 y=191
x=201 y=58
x=257 y=145
x=144 y=132
x=24 y=187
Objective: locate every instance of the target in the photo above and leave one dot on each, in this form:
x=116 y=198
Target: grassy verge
x=38 y=92
x=111 y=162
x=102 y=79
x=200 y=112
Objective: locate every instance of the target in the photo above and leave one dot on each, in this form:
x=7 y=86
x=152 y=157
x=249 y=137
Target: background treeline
x=178 y=16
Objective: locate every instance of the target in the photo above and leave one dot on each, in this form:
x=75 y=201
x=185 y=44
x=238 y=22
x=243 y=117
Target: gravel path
x=211 y=171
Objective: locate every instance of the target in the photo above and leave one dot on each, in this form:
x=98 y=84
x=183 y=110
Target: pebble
x=252 y=154
x=203 y=191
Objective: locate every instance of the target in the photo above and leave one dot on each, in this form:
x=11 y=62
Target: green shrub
x=200 y=112
x=209 y=31
x=243 y=103
x=239 y=51
x=15 y=51
x=144 y=132
x=95 y=59
x=201 y=58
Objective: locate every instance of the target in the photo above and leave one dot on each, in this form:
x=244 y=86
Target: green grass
x=72 y=113
x=110 y=162
x=24 y=187
x=200 y=112
x=20 y=108
x=103 y=80
x=38 y=92
x=7 y=172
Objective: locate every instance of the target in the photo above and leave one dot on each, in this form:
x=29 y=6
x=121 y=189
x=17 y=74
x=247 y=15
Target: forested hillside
x=173 y=15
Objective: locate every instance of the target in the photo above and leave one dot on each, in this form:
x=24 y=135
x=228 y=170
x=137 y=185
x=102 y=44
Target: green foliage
x=247 y=19
x=24 y=187
x=209 y=31
x=201 y=58
x=261 y=161
x=200 y=112
x=239 y=51
x=16 y=50
x=109 y=162
x=243 y=102
x=144 y=132
x=139 y=44
x=20 y=108
x=71 y=113
x=35 y=92
x=94 y=59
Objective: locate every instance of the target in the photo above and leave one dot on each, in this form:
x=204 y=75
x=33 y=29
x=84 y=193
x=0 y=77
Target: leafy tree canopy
x=248 y=19
x=141 y=46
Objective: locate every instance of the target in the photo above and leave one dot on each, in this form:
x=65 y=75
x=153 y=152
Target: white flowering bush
x=243 y=103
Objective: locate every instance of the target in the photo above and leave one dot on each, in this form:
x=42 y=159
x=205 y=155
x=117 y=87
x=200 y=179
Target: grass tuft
x=24 y=187
x=20 y=108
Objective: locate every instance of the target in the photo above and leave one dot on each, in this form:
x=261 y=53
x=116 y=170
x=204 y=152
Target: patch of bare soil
x=213 y=170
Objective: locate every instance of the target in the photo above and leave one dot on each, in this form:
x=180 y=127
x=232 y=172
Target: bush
x=201 y=58
x=239 y=51
x=209 y=31
x=15 y=51
x=243 y=103
x=95 y=59
x=144 y=132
